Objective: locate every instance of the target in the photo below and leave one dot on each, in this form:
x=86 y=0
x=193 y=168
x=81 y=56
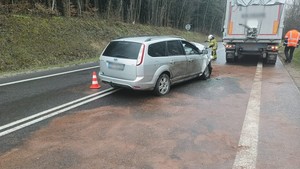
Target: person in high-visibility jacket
x=213 y=44
x=291 y=41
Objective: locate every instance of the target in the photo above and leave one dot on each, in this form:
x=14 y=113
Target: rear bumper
x=136 y=84
x=249 y=52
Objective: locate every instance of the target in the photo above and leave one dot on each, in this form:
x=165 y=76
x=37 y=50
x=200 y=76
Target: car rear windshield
x=123 y=49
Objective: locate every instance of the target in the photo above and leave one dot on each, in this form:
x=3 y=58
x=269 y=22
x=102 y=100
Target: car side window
x=189 y=48
x=157 y=49
x=174 y=48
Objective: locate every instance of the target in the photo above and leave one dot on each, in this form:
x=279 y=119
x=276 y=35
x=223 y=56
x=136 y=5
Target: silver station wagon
x=152 y=63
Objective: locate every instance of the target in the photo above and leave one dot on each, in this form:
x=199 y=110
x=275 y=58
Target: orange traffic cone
x=95 y=84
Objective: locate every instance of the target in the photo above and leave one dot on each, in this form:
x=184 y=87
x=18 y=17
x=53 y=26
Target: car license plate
x=115 y=66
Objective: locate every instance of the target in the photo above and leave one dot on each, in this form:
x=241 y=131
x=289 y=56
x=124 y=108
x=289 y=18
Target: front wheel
x=163 y=85
x=207 y=72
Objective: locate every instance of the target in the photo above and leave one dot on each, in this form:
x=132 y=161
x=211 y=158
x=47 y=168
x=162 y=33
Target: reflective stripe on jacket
x=292 y=37
x=213 y=44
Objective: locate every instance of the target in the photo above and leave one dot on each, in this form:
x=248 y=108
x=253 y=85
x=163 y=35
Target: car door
x=119 y=60
x=177 y=60
x=194 y=58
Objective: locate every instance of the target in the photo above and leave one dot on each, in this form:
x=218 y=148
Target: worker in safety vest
x=213 y=44
x=291 y=41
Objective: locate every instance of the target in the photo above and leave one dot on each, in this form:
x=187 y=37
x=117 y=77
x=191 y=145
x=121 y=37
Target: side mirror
x=205 y=51
x=206 y=41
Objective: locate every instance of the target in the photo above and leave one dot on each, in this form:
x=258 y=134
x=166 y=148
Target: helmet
x=210 y=37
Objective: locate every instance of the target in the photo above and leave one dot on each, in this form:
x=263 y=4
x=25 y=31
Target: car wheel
x=207 y=72
x=163 y=85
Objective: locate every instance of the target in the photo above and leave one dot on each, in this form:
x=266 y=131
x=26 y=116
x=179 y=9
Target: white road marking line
x=47 y=76
x=71 y=105
x=50 y=110
x=247 y=150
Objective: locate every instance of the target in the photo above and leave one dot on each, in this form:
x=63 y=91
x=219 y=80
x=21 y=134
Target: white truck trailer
x=253 y=27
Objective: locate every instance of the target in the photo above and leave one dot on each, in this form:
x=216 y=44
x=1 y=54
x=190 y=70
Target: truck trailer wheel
x=229 y=58
x=272 y=62
x=271 y=59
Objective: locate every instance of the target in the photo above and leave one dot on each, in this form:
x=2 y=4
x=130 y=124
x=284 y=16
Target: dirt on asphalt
x=181 y=130
x=167 y=132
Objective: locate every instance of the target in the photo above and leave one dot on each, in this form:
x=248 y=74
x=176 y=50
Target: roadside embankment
x=29 y=43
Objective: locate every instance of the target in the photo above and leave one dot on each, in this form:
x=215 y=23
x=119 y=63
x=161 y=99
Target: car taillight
x=141 y=55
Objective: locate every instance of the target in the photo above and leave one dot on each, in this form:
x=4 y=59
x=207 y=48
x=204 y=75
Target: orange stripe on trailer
x=275 y=27
x=230 y=28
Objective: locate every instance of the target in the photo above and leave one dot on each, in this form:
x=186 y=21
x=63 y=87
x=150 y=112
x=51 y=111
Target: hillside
x=29 y=43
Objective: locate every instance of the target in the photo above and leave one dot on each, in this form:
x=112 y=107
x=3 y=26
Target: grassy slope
x=296 y=58
x=29 y=43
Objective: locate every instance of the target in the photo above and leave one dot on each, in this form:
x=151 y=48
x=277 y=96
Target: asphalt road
x=245 y=116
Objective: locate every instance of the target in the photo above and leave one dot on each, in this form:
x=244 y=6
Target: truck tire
x=272 y=62
x=228 y=59
x=267 y=60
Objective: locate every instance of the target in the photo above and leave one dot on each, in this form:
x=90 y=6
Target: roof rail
x=133 y=36
x=166 y=36
x=151 y=37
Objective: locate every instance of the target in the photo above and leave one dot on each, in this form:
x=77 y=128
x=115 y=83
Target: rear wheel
x=270 y=59
x=229 y=59
x=163 y=85
x=272 y=62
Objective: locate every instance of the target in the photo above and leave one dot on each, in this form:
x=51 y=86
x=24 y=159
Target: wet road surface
x=197 y=125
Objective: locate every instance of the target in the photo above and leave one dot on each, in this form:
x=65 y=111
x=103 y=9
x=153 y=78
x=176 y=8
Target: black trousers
x=289 y=51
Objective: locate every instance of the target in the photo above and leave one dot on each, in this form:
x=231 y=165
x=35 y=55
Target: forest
x=205 y=16
x=39 y=33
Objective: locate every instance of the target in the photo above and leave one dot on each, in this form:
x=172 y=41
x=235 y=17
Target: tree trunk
x=53 y=5
x=212 y=23
x=121 y=11
x=79 y=7
x=181 y=13
x=203 y=22
x=139 y=8
x=67 y=10
x=108 y=9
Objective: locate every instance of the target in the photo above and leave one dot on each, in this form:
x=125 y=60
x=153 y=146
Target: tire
x=269 y=61
x=163 y=85
x=207 y=72
x=229 y=60
x=273 y=62
x=265 y=60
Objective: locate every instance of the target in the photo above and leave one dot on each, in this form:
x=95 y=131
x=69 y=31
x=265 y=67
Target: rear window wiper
x=119 y=56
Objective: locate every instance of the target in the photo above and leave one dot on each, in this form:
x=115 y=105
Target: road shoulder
x=293 y=71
